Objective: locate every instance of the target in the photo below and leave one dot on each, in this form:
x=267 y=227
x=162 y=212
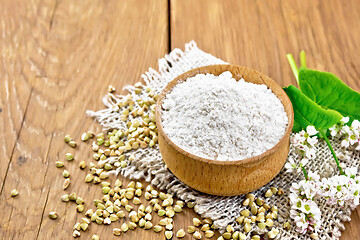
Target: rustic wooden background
x=59 y=56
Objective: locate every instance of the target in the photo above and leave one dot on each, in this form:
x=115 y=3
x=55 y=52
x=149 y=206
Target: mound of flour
x=217 y=117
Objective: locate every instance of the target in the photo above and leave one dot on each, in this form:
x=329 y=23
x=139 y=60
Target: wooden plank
x=59 y=64
x=259 y=34
x=23 y=28
x=352 y=229
x=128 y=40
x=90 y=44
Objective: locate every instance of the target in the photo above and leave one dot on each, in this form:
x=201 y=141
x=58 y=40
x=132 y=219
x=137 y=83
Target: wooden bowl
x=225 y=178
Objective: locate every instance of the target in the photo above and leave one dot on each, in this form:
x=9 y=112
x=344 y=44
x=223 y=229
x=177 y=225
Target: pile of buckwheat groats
x=112 y=151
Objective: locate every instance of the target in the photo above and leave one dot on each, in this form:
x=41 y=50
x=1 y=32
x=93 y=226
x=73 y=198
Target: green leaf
x=330 y=92
x=307 y=112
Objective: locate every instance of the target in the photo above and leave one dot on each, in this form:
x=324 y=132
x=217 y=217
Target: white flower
x=310 y=189
x=313 y=176
x=334 y=130
x=352 y=138
x=301 y=223
x=355 y=124
x=304 y=211
x=290 y=165
x=351 y=172
x=310 y=153
x=336 y=190
x=345 y=120
x=304 y=146
x=295 y=187
x=311 y=130
x=306 y=206
x=312 y=141
x=346 y=129
x=303 y=162
x=350 y=135
x=293 y=197
x=345 y=143
x=298 y=138
x=341 y=189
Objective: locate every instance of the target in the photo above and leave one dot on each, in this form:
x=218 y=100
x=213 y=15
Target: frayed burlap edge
x=148 y=163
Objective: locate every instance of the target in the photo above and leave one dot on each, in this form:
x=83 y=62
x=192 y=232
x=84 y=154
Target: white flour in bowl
x=217 y=117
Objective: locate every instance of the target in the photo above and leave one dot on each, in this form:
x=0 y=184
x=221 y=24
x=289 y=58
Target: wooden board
x=84 y=47
x=58 y=57
x=258 y=34
x=21 y=34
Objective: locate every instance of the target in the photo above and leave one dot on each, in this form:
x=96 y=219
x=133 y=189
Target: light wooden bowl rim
x=251 y=160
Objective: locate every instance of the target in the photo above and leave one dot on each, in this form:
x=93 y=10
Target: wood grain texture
x=258 y=34
x=82 y=48
x=58 y=57
x=93 y=46
x=24 y=28
x=21 y=56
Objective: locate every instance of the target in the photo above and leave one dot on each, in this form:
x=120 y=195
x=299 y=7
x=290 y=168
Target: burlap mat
x=148 y=164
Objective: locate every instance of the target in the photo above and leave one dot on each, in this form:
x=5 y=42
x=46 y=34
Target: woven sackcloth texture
x=148 y=163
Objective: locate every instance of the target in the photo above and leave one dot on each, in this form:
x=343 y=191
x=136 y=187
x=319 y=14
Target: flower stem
x=332 y=151
x=304 y=172
x=293 y=66
x=303 y=59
